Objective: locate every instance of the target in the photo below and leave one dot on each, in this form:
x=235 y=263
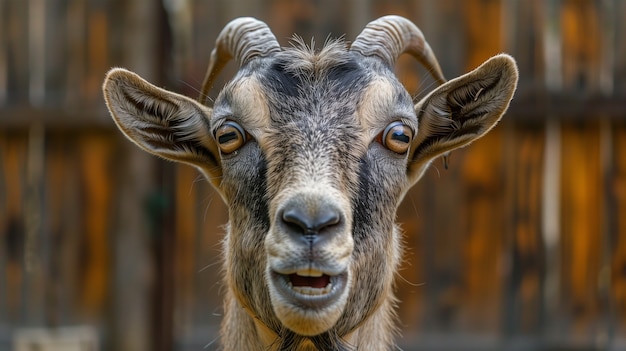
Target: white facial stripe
x=379 y=107
x=377 y=102
x=250 y=104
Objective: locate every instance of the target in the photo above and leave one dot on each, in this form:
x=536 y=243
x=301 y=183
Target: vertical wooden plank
x=4 y=29
x=54 y=186
x=551 y=226
x=97 y=52
x=55 y=62
x=483 y=187
x=581 y=188
x=75 y=28
x=609 y=47
x=552 y=46
x=619 y=45
x=17 y=51
x=551 y=197
x=618 y=253
x=435 y=205
x=524 y=34
x=95 y=159
x=582 y=40
x=36 y=51
x=527 y=250
x=134 y=265
x=443 y=24
x=64 y=209
x=141 y=39
x=483 y=35
x=523 y=316
x=12 y=155
x=35 y=253
x=186 y=230
x=484 y=212
x=180 y=19
x=583 y=231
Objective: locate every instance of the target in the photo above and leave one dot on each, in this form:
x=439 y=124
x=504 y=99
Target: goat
x=312 y=151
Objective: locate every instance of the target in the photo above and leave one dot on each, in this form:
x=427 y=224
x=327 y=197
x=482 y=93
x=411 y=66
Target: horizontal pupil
x=400 y=136
x=226 y=137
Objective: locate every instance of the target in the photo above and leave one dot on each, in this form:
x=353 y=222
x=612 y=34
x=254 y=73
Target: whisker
x=189 y=85
x=209 y=266
x=211 y=343
x=416 y=285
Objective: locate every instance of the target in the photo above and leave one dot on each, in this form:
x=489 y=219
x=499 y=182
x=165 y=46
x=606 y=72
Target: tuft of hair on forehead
x=305 y=61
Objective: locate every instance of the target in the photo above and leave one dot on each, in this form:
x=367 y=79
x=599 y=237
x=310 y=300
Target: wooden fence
x=520 y=245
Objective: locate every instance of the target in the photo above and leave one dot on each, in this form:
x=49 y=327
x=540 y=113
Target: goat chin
x=307 y=322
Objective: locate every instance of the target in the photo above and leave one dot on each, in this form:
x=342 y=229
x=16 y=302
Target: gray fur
x=314 y=121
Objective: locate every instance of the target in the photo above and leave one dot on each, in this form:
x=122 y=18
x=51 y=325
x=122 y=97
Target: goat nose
x=308 y=222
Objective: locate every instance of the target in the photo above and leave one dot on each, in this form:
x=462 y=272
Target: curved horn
x=243 y=39
x=390 y=36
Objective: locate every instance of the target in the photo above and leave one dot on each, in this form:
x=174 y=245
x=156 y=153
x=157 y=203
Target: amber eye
x=397 y=137
x=230 y=137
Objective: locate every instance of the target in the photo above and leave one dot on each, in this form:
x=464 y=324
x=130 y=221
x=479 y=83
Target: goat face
x=312 y=152
x=325 y=187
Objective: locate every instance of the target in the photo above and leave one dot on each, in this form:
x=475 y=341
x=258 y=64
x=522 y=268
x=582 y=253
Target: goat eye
x=397 y=137
x=230 y=137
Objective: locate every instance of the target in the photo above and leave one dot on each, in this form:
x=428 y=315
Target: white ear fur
x=161 y=122
x=462 y=110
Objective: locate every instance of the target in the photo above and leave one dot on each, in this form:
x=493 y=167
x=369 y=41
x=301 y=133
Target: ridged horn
x=390 y=36
x=243 y=39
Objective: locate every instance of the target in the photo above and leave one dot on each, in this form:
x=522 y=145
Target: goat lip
x=307 y=297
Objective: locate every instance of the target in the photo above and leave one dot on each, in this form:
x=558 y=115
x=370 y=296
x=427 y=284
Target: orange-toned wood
x=186 y=231
x=527 y=251
x=581 y=31
x=95 y=154
x=618 y=248
x=12 y=227
x=484 y=30
x=524 y=24
x=13 y=157
x=483 y=238
x=581 y=220
x=97 y=53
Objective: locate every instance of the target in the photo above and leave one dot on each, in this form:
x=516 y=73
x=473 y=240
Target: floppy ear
x=462 y=110
x=163 y=123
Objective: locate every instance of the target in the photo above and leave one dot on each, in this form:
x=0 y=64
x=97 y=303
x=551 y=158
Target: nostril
x=296 y=219
x=311 y=222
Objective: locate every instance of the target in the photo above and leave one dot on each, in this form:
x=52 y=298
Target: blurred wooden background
x=520 y=245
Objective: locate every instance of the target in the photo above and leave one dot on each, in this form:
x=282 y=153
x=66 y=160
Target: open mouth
x=310 y=288
x=310 y=282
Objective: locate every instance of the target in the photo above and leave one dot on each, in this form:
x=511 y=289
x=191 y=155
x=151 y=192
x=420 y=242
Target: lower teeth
x=307 y=290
